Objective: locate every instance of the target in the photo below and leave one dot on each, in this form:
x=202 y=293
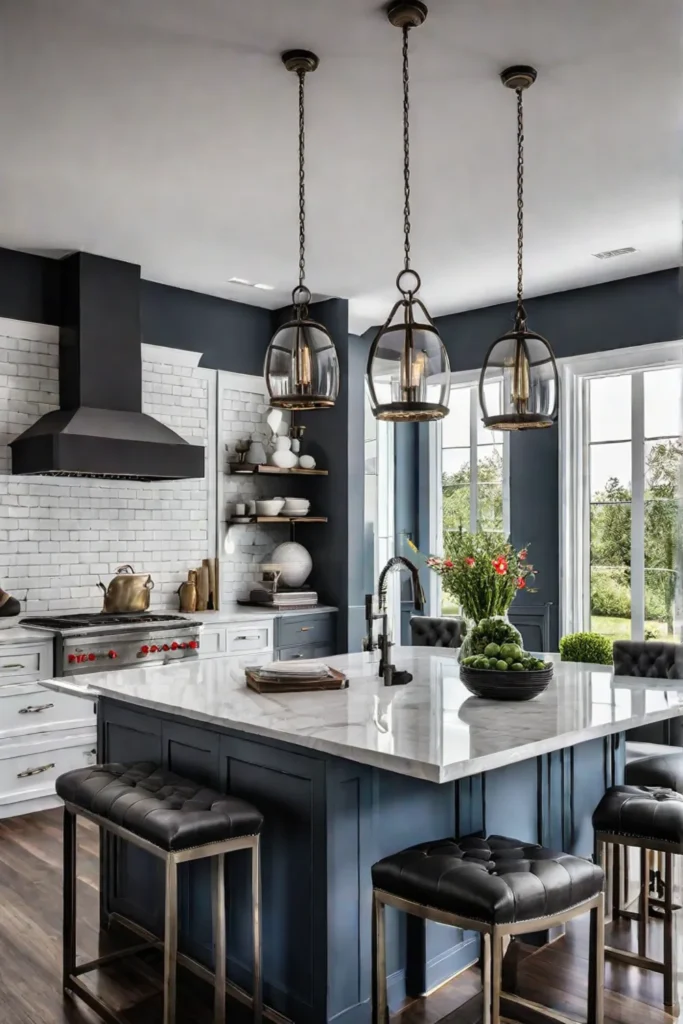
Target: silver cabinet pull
x=254 y=636
x=35 y=771
x=34 y=709
x=9 y=667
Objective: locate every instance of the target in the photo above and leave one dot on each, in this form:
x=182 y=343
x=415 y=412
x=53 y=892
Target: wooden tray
x=337 y=682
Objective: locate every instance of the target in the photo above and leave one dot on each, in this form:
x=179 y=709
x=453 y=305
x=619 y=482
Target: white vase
x=283 y=459
x=256 y=456
x=294 y=561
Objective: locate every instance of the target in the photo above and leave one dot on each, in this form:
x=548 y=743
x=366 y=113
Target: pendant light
x=408 y=370
x=523 y=359
x=301 y=367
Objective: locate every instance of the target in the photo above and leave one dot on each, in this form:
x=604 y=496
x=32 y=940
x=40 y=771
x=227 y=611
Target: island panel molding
x=342 y=784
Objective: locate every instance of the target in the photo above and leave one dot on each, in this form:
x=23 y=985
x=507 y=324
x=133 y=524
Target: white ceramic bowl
x=297 y=503
x=272 y=507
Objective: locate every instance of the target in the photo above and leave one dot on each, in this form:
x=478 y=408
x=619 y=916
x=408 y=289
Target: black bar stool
x=498 y=887
x=650 y=820
x=178 y=821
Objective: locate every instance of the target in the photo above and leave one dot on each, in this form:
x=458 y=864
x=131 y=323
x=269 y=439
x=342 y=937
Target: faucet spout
x=399 y=562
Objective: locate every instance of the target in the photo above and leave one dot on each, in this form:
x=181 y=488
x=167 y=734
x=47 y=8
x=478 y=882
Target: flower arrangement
x=483 y=573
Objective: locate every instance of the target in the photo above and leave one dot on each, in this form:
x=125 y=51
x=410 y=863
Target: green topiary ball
x=586 y=647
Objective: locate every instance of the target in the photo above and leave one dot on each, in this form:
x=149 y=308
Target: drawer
x=254 y=636
x=211 y=642
x=306 y=629
x=307 y=651
x=29 y=770
x=27 y=661
x=27 y=708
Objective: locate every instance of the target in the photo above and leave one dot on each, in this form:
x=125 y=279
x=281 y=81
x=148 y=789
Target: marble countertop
x=13 y=632
x=431 y=729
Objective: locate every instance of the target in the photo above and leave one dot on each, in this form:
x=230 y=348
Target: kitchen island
x=346 y=777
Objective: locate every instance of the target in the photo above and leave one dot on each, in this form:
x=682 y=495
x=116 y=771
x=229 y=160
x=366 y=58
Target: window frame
x=574 y=464
x=461 y=381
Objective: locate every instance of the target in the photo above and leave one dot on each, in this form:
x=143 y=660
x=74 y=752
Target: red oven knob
x=154 y=648
x=193 y=644
x=174 y=646
x=166 y=647
x=91 y=657
x=81 y=658
x=144 y=650
x=183 y=646
x=72 y=659
x=113 y=654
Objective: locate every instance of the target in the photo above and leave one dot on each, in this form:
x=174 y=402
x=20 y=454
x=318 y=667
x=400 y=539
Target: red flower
x=500 y=565
x=521 y=583
x=523 y=554
x=448 y=564
x=469 y=561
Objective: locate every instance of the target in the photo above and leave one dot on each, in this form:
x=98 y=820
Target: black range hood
x=100 y=429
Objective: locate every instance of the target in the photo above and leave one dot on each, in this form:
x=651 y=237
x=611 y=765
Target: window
x=622 y=458
x=470 y=484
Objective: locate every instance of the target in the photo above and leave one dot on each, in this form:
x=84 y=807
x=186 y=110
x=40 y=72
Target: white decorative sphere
x=285 y=459
x=307 y=462
x=295 y=561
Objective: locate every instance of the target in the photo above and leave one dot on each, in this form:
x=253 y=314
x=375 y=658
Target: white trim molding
x=574 y=476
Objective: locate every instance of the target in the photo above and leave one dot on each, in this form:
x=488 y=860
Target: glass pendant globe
x=408 y=369
x=301 y=367
x=525 y=364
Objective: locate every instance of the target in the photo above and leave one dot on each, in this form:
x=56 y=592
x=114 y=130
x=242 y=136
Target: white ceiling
x=164 y=132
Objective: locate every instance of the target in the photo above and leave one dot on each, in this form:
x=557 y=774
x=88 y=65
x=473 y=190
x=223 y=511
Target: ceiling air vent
x=608 y=254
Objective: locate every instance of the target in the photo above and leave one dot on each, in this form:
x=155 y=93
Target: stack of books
x=284 y=599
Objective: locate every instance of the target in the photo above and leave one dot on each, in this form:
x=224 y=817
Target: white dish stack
x=296 y=508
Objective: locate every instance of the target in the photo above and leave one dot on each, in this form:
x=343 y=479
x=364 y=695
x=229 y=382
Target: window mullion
x=474 y=466
x=637 y=506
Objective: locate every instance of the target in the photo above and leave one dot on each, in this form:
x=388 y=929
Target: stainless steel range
x=94 y=642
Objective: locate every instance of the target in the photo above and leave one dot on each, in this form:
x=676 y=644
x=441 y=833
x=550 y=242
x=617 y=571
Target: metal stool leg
x=170 y=939
x=380 y=1013
x=218 y=900
x=69 y=884
x=644 y=901
x=670 y=971
x=596 y=964
x=618 y=856
x=257 y=996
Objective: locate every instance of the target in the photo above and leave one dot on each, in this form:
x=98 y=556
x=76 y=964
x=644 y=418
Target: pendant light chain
x=520 y=201
x=302 y=181
x=406 y=151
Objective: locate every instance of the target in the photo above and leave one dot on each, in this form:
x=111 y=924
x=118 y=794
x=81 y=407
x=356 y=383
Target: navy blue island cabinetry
x=345 y=778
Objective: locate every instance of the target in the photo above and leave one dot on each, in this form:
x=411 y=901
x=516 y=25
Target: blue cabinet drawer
x=307 y=651
x=306 y=629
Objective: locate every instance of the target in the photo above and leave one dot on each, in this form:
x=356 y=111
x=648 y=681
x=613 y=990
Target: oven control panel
x=127 y=650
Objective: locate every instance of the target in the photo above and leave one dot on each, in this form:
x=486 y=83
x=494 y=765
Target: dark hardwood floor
x=30 y=953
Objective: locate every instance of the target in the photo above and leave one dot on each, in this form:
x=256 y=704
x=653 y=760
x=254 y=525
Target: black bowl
x=493 y=685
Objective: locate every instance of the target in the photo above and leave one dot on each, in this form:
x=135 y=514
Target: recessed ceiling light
x=608 y=254
x=240 y=280
x=265 y=287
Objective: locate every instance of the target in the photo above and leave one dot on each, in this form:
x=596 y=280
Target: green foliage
x=456 y=495
x=492 y=631
x=482 y=571
x=586 y=647
x=611 y=539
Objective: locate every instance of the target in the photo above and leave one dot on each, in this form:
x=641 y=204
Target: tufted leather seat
x=652 y=659
x=660 y=770
x=644 y=812
x=159 y=806
x=437 y=632
x=495 y=880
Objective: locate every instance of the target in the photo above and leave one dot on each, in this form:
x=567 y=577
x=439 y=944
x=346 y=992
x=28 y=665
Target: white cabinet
x=232 y=638
x=42 y=733
x=29 y=767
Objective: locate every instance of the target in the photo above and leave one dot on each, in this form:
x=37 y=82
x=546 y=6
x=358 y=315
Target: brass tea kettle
x=127 y=592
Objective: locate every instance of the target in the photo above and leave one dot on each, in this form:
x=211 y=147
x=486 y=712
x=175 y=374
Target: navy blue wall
x=232 y=335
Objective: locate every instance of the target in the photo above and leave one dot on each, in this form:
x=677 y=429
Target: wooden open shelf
x=278 y=519
x=246 y=468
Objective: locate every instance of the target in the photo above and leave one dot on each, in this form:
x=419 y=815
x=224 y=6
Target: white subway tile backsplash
x=59 y=535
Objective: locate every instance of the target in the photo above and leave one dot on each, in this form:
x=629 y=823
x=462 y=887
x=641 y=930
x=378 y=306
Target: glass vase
x=466 y=648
